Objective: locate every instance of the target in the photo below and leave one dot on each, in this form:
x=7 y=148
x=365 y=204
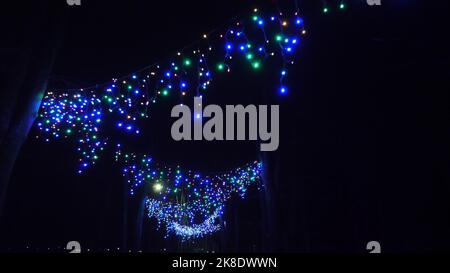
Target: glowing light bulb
x=157 y=187
x=325 y=10
x=187 y=62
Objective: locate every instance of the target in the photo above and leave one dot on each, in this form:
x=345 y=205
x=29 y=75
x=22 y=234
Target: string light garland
x=162 y=212
x=80 y=113
x=65 y=115
x=187 y=203
x=180 y=199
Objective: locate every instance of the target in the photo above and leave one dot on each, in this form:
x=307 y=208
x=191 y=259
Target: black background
x=364 y=132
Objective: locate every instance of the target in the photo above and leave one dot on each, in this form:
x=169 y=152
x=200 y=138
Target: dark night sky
x=359 y=160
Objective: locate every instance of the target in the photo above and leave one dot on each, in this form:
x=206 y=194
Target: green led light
x=187 y=62
x=165 y=92
x=278 y=38
x=220 y=67
x=342 y=6
x=325 y=10
x=249 y=56
x=256 y=65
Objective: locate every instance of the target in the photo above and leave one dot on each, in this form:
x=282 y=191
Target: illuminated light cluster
x=195 y=231
x=80 y=113
x=287 y=31
x=65 y=115
x=204 y=196
x=162 y=212
x=204 y=74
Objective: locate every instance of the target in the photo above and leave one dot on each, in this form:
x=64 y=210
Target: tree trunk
x=31 y=45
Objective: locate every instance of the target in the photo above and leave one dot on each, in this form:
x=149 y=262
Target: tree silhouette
x=32 y=35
